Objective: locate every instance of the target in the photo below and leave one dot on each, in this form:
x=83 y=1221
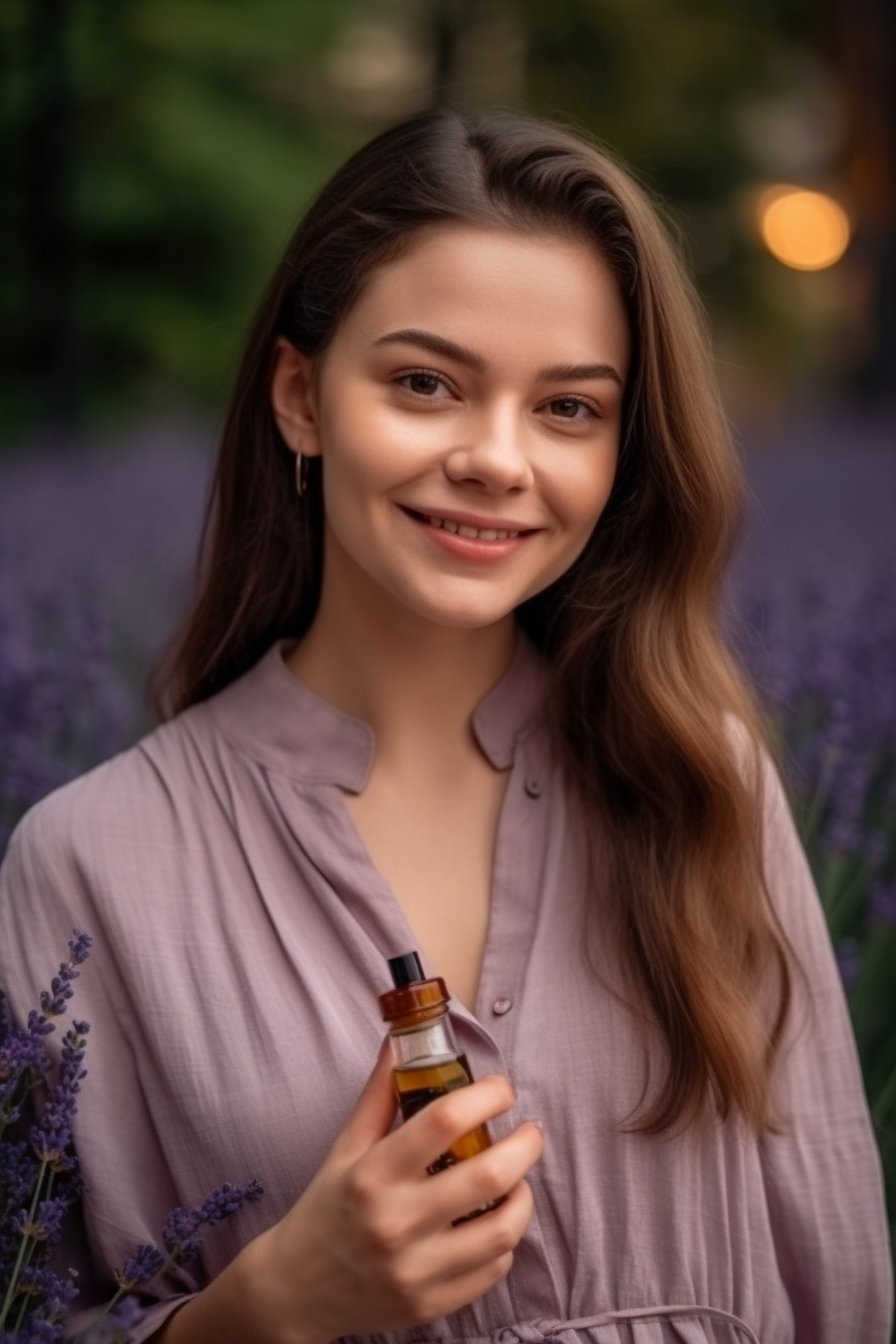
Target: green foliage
x=663 y=85
x=194 y=150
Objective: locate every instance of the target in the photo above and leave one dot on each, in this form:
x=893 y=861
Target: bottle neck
x=425 y=1042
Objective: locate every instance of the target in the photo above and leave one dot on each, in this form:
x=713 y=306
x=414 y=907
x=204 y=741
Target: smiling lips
x=474 y=533
x=488 y=532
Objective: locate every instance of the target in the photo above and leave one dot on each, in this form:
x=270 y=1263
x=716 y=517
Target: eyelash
x=422 y=373
x=591 y=406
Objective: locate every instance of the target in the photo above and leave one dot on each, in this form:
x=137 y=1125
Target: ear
x=294 y=399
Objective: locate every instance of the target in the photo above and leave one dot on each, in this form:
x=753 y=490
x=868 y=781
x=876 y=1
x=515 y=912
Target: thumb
x=374 y=1110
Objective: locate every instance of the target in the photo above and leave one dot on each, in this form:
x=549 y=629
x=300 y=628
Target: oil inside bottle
x=420 y=1083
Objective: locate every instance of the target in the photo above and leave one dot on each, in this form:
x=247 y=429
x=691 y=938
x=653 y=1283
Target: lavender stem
x=23 y=1246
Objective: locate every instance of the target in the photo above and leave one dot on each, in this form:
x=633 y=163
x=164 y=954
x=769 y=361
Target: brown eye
x=424 y=384
x=566 y=407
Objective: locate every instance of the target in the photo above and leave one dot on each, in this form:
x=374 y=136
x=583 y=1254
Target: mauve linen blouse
x=241 y=935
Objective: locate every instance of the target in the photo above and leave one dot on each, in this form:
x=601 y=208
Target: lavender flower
x=144 y=1264
x=116 y=1327
x=54 y=1001
x=51 y=1137
x=46 y=1224
x=180 y=1233
x=34 y=1330
x=18 y=1170
x=23 y=1062
x=23 y=1058
x=229 y=1199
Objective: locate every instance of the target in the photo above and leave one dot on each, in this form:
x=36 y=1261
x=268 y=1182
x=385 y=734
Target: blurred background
x=155 y=156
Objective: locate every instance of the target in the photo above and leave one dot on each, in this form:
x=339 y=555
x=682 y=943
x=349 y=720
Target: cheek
x=369 y=450
x=580 y=496
x=355 y=461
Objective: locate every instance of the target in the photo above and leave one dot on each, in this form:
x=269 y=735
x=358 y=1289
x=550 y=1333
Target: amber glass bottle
x=427 y=1060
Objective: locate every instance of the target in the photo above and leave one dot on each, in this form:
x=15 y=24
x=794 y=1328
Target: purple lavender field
x=95 y=563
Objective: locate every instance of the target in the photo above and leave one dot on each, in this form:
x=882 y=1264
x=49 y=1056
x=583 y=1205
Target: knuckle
x=504 y=1238
x=493 y=1179
x=387 y=1235
x=360 y=1188
x=445 y=1121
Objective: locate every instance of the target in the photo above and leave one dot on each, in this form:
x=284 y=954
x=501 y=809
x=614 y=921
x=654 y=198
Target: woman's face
x=468 y=414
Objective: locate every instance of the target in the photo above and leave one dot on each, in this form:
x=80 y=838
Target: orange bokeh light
x=805 y=230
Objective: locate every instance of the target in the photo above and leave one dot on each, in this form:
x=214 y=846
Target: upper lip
x=471 y=519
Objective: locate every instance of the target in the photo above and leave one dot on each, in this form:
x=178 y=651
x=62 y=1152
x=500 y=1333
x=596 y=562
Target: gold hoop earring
x=301 y=474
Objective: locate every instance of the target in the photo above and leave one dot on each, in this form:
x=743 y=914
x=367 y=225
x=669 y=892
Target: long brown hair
x=657 y=727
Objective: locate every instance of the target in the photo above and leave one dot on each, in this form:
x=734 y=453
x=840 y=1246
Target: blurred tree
x=866 y=53
x=155 y=153
x=48 y=261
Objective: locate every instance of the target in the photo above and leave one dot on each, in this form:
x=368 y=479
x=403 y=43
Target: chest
x=435 y=846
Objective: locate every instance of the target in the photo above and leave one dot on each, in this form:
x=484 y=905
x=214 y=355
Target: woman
x=453 y=681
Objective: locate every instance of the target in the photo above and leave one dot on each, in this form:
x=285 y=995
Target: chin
x=462 y=615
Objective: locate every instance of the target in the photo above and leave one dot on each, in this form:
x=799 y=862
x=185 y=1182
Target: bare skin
x=430 y=782
x=518 y=444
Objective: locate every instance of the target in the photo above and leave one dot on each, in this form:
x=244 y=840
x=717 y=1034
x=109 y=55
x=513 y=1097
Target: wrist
x=267 y=1293
x=242 y=1303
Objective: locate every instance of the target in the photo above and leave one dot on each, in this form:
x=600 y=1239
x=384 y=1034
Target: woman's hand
x=370 y=1246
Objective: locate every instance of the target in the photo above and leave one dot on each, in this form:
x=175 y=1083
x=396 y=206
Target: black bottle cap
x=406 y=970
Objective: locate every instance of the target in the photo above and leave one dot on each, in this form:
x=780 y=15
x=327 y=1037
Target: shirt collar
x=271 y=716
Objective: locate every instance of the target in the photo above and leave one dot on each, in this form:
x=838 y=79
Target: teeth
x=473 y=533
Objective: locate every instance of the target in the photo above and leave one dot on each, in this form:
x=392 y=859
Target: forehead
x=482 y=285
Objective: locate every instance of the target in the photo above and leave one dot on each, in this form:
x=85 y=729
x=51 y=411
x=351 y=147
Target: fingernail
x=538 y=1125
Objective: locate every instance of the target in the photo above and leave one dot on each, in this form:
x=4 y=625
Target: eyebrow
x=440 y=345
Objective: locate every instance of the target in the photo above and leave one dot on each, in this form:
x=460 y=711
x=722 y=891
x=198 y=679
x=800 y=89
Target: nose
x=493 y=453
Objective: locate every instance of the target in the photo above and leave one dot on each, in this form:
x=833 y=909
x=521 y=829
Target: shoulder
x=761 y=776
x=108 y=853
x=138 y=783
x=84 y=836
x=789 y=883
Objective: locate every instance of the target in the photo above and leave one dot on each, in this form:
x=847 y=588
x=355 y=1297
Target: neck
x=415 y=682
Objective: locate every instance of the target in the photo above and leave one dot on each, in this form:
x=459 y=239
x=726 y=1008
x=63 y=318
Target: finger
x=461 y=1250
x=447 y=1297
x=421 y=1140
x=374 y=1111
x=479 y=1180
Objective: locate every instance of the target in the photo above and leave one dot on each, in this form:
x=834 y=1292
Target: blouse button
x=502 y=1006
x=534 y=787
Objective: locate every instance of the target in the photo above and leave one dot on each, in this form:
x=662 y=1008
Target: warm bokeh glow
x=803 y=229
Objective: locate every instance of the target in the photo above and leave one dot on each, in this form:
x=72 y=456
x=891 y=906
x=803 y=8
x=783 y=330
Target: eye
x=569 y=408
x=424 y=383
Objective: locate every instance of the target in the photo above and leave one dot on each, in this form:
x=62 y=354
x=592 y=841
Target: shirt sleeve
x=823 y=1177
x=44 y=894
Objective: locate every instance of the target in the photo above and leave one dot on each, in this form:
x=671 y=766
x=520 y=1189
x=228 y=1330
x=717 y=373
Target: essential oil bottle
x=426 y=1057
